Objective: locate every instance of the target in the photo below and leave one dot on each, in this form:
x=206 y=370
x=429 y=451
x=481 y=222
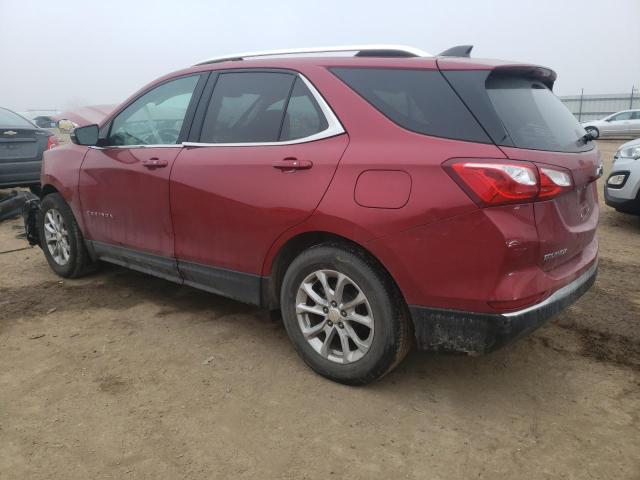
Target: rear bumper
x=20 y=173
x=476 y=333
x=622 y=204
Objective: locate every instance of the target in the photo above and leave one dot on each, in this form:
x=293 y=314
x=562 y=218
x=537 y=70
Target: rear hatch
x=515 y=105
x=18 y=144
x=21 y=147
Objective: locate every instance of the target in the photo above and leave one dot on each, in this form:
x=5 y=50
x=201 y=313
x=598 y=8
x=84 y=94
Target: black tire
x=79 y=262
x=595 y=133
x=35 y=189
x=392 y=334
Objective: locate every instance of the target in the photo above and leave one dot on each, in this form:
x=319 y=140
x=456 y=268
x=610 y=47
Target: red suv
x=376 y=199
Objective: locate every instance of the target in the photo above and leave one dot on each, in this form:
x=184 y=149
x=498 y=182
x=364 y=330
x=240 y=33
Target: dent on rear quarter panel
x=61 y=169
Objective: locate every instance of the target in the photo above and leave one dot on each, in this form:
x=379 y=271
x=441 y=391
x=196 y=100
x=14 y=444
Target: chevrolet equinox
x=377 y=199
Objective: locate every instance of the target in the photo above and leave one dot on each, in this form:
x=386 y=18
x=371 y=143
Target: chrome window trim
x=334 y=126
x=162 y=145
x=409 y=51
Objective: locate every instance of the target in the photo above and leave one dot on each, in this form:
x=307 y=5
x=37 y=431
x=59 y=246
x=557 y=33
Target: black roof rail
x=457 y=51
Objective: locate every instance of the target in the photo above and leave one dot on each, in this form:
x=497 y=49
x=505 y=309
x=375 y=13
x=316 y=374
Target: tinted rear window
x=418 y=100
x=519 y=111
x=10 y=119
x=532 y=115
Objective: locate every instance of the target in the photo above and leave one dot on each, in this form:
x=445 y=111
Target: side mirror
x=87 y=135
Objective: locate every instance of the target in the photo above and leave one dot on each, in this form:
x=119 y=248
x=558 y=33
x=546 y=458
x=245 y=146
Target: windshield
x=8 y=119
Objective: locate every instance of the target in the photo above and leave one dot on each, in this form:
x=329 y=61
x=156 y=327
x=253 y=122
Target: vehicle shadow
x=531 y=367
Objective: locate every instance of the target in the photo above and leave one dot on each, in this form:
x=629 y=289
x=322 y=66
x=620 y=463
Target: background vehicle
x=367 y=197
x=21 y=147
x=622 y=188
x=82 y=116
x=622 y=124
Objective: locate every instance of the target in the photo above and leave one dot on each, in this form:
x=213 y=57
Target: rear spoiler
x=543 y=74
x=457 y=51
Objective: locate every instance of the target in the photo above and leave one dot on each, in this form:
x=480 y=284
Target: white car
x=622 y=188
x=624 y=123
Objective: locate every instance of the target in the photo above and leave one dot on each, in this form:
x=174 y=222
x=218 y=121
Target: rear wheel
x=61 y=238
x=595 y=133
x=343 y=315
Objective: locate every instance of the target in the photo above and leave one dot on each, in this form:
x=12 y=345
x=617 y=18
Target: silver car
x=622 y=188
x=620 y=124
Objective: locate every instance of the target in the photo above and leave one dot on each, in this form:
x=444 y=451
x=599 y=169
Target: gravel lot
x=121 y=375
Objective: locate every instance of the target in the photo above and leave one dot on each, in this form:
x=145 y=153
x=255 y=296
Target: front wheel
x=61 y=239
x=595 y=133
x=343 y=315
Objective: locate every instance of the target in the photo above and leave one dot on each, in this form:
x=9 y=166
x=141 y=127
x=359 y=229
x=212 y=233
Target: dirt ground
x=121 y=375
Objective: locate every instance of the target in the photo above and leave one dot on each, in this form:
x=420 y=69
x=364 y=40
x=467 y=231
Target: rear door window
x=247 y=107
x=303 y=117
x=417 y=100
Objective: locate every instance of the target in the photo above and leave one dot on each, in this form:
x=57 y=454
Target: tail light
x=499 y=182
x=52 y=142
x=553 y=182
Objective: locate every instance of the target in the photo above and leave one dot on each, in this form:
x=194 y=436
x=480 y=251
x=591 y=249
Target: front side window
x=156 y=117
x=620 y=116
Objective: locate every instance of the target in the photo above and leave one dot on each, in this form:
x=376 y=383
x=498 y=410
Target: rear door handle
x=154 y=162
x=292 y=164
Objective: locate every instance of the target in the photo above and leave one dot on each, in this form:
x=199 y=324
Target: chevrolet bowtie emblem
x=10 y=132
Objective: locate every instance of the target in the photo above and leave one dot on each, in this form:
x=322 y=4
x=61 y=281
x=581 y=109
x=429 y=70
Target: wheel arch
x=48 y=189
x=300 y=242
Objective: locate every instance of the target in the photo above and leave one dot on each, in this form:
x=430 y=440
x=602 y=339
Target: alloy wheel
x=334 y=316
x=57 y=237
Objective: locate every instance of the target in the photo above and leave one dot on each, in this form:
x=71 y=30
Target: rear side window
x=247 y=107
x=418 y=100
x=304 y=117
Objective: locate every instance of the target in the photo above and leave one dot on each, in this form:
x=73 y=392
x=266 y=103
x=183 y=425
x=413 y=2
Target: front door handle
x=154 y=162
x=291 y=164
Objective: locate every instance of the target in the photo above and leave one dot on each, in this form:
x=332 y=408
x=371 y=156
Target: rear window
x=10 y=119
x=518 y=111
x=532 y=115
x=418 y=100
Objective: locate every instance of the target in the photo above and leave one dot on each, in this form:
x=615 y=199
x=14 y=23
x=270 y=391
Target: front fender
x=61 y=172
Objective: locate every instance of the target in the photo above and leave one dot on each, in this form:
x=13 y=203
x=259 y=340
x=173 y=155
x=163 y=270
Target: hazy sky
x=65 y=53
